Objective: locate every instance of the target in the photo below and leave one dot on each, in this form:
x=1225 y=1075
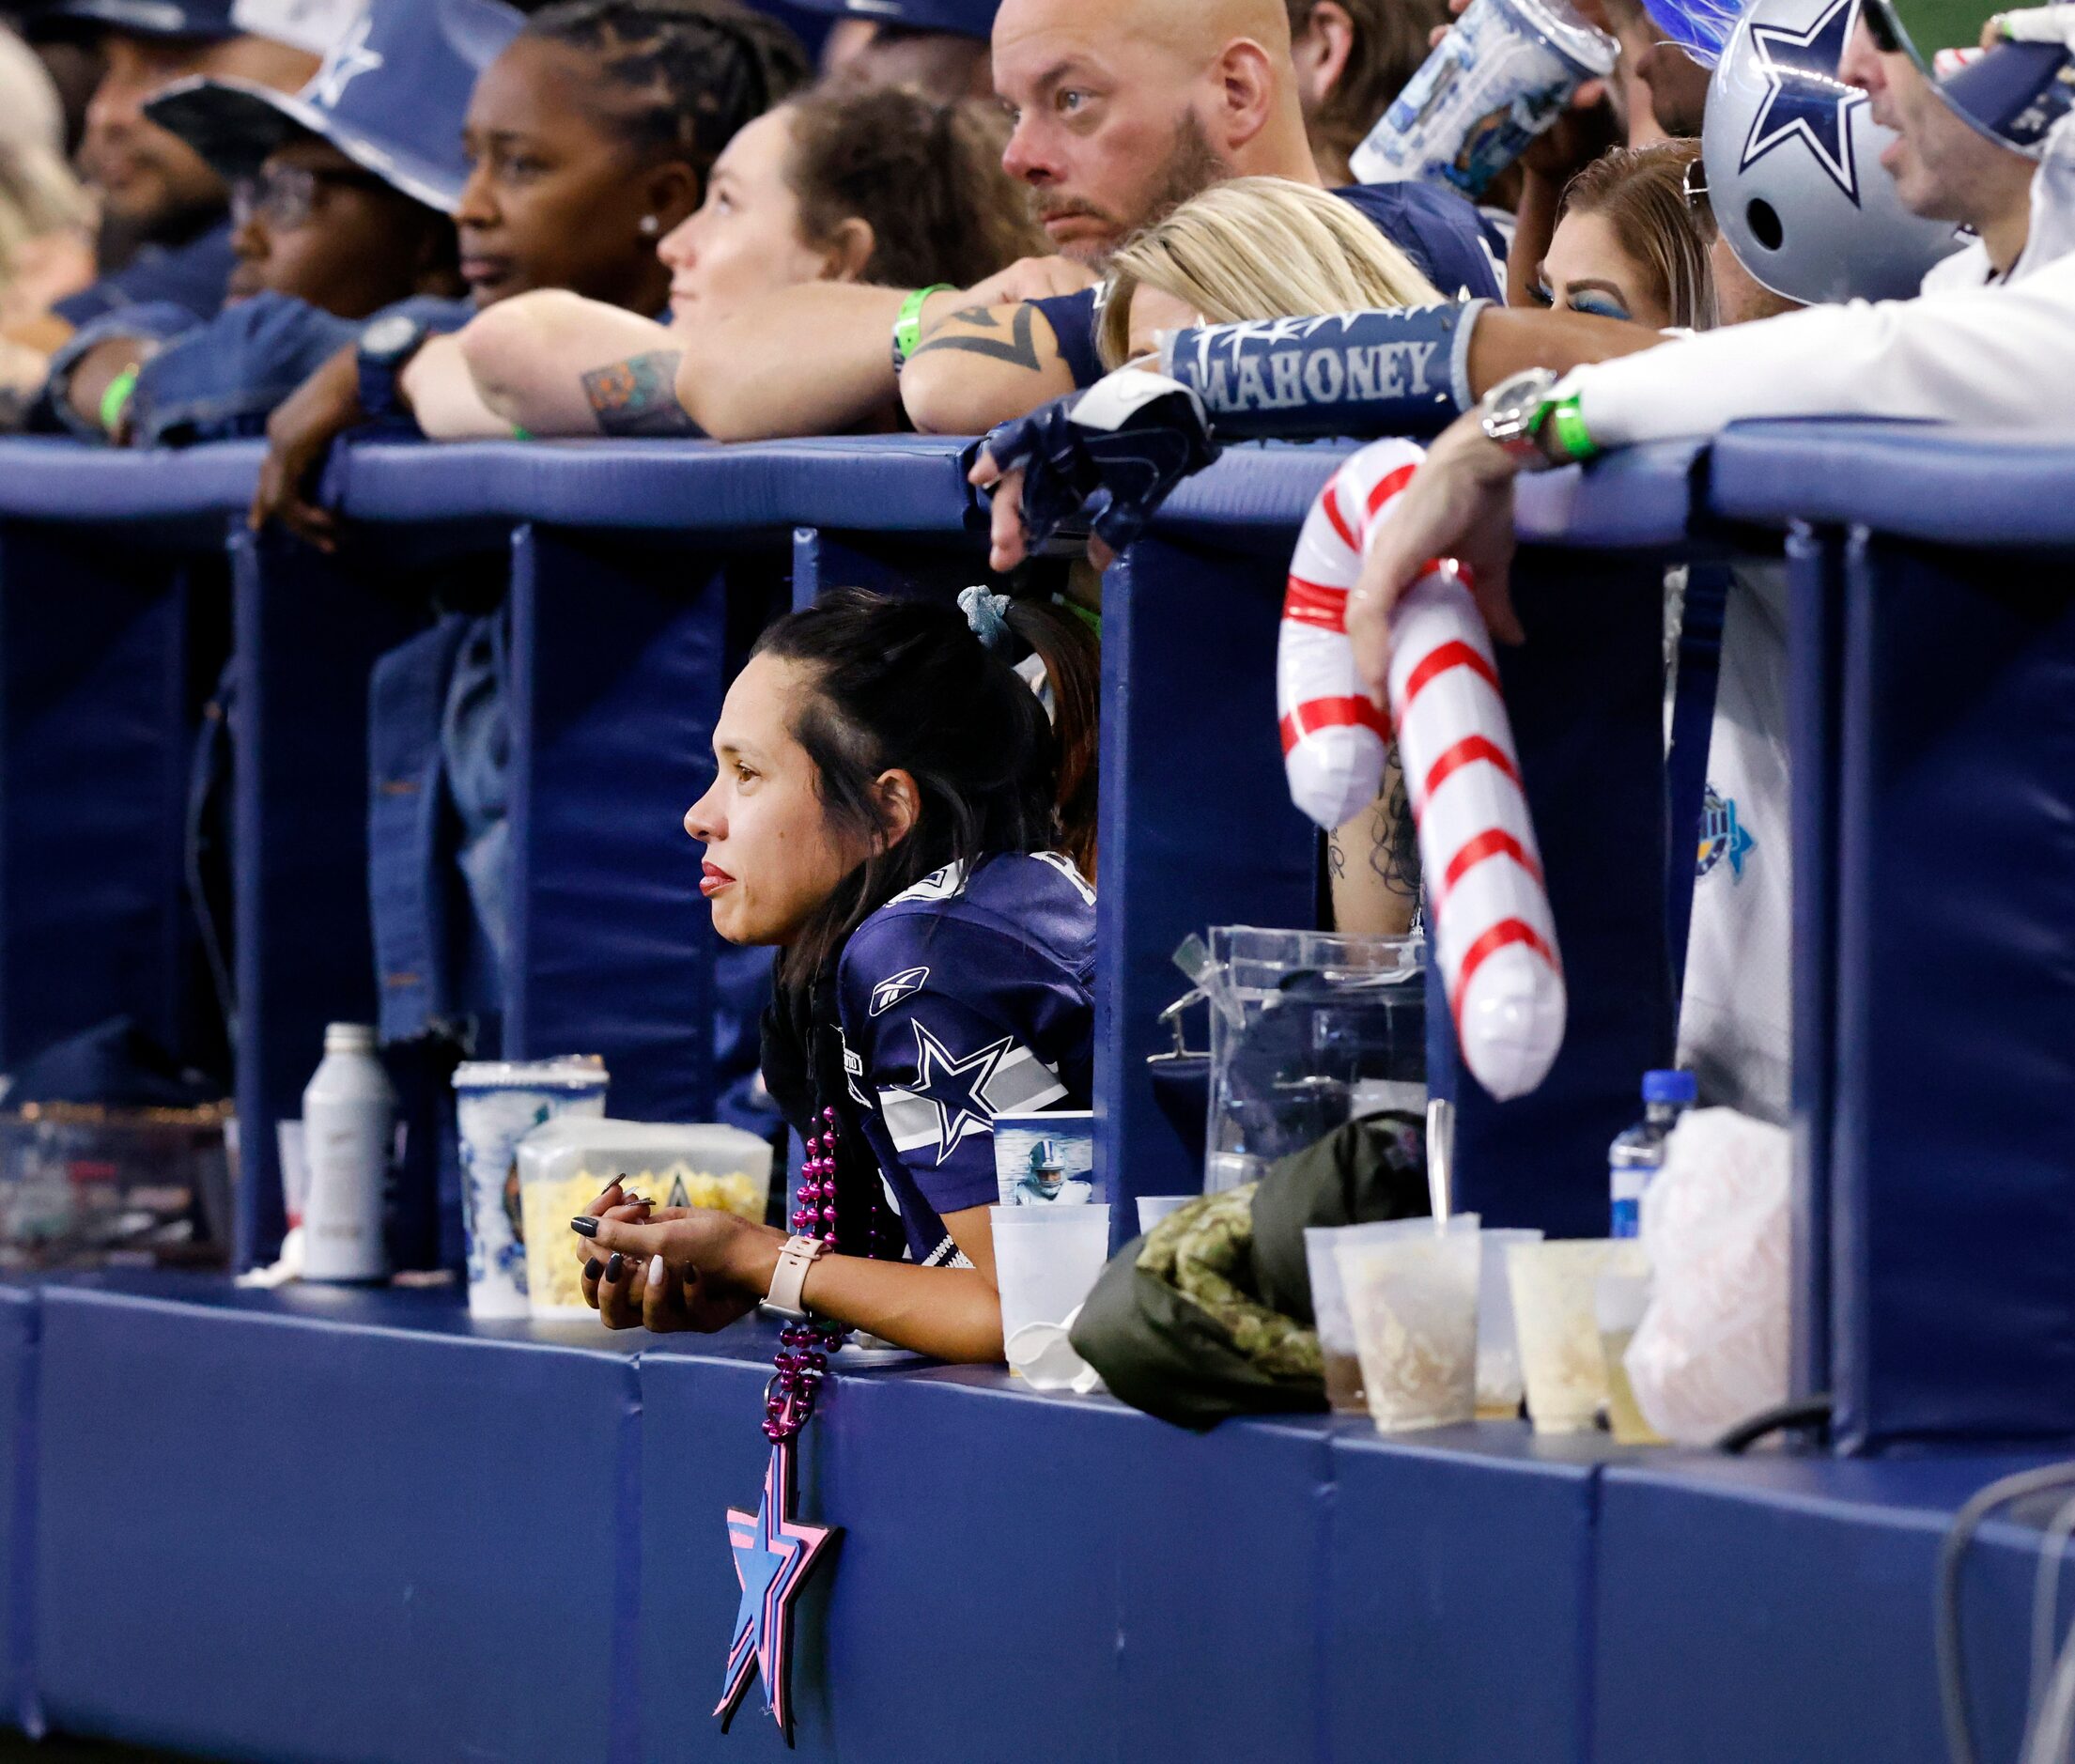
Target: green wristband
x=1565 y=421
x=908 y=326
x=115 y=402
x=521 y=434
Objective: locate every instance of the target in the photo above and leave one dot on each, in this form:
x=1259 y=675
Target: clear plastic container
x=84 y=1185
x=565 y=1165
x=1309 y=1030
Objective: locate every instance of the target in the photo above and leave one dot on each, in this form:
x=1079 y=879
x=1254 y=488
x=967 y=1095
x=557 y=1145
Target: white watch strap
x=790 y=1277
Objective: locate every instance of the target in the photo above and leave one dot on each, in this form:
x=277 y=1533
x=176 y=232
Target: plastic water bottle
x=349 y=1115
x=1635 y=1157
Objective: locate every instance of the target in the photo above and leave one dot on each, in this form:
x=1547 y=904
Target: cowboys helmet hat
x=1792 y=157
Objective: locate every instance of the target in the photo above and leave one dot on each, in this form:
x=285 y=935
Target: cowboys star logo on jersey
x=956 y=1095
x=1805 y=99
x=890 y=991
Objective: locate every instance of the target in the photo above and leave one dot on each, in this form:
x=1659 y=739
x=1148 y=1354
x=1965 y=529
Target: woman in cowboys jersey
x=897 y=814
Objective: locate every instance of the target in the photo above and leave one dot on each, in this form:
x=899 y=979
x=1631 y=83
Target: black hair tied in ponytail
x=905 y=684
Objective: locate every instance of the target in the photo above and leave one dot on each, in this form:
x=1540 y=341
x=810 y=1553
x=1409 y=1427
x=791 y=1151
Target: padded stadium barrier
x=369 y=1481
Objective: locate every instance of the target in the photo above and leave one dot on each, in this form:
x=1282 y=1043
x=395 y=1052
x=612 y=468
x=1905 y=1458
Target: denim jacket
x=441 y=868
x=221 y=380
x=193 y=277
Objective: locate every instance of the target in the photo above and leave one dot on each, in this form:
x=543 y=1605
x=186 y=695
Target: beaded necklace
x=774 y=1552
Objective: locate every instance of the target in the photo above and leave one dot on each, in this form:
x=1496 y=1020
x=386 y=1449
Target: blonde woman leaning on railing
x=1268 y=248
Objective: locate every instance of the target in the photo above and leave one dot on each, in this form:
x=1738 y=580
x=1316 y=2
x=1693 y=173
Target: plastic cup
x=1498 y=1389
x=295 y=1170
x=1046 y=1260
x=1413 y=1299
x=1502 y=74
x=1336 y=1326
x=1560 y=1359
x=1618 y=1302
x=1154 y=1208
x=496 y=1104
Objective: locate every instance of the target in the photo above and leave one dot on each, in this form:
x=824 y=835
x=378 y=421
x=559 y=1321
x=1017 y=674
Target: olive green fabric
x=1210 y=1313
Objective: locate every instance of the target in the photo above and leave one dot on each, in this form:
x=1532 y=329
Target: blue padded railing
x=634 y=571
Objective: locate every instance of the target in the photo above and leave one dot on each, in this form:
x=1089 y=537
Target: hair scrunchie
x=987 y=614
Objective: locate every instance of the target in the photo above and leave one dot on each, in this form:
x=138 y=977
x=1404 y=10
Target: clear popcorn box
x=565 y=1165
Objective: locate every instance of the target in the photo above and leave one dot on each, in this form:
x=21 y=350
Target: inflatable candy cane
x=1494 y=940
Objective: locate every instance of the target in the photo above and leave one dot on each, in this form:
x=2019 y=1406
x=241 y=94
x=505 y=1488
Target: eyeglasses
x=285 y=196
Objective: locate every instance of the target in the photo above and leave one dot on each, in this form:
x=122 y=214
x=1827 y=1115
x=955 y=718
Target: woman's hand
x=671 y=1268
x=299 y=435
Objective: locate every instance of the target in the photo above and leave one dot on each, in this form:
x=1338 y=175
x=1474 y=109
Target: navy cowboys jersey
x=962 y=999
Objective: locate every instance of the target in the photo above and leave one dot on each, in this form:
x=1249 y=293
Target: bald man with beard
x=1122 y=110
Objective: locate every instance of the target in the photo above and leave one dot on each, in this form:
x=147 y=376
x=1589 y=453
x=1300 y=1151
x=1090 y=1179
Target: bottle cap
x=348 y=1038
x=1670 y=1087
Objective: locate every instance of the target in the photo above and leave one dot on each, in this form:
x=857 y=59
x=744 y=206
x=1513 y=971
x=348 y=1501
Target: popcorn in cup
x=1561 y=1361
x=1412 y=1295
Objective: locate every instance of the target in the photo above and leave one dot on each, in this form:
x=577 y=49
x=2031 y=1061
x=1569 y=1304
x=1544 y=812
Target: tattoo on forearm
x=1018 y=349
x=639 y=396
x=1394 y=841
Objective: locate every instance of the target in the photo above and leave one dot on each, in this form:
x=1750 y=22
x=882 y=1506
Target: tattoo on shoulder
x=639 y=395
x=1018 y=347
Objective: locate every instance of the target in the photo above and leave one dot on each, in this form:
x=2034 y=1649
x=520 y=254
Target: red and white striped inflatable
x=1487 y=911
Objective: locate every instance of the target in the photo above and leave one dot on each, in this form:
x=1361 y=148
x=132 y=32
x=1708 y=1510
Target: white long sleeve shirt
x=2001 y=356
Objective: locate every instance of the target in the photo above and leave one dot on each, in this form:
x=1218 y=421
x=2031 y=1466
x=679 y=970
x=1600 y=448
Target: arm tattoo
x=1394 y=841
x=639 y=396
x=1018 y=349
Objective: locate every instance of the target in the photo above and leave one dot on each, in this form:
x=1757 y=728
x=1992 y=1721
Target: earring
x=650 y=227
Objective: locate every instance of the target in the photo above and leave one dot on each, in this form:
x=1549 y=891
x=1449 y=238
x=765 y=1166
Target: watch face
x=388 y=336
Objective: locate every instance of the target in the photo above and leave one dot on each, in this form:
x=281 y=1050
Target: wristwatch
x=1524 y=416
x=790 y=1277
x=386 y=346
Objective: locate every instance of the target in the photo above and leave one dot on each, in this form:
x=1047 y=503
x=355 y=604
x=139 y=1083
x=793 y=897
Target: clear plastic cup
x=1154 y=1208
x=1498 y=1389
x=1618 y=1302
x=1046 y=1260
x=1413 y=1299
x=1560 y=1359
x=1343 y=1365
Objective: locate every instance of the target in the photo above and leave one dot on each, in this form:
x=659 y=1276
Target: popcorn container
x=567 y=1163
x=1501 y=75
x=496 y=1104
